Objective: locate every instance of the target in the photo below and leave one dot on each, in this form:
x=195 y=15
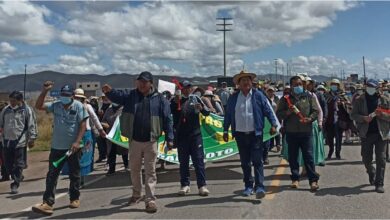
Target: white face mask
x=14 y=107
x=370 y=90
x=360 y=92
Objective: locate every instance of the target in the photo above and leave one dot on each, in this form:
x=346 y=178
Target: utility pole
x=283 y=73
x=364 y=71
x=276 y=69
x=25 y=78
x=224 y=30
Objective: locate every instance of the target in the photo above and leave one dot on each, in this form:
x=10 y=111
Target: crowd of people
x=311 y=114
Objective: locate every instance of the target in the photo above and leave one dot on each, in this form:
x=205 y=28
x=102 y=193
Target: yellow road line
x=275 y=183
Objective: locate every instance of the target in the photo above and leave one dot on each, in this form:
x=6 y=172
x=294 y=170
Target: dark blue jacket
x=261 y=109
x=160 y=113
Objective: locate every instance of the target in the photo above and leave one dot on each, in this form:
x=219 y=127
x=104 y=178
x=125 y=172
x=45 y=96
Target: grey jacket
x=359 y=110
x=13 y=122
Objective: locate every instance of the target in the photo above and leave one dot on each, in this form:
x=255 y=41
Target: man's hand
x=367 y=119
x=273 y=130
x=105 y=125
x=106 y=88
x=198 y=106
x=306 y=120
x=75 y=147
x=30 y=144
x=226 y=137
x=378 y=113
x=170 y=145
x=48 y=85
x=102 y=133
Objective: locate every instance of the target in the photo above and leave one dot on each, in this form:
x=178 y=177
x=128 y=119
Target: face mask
x=114 y=105
x=298 y=90
x=386 y=92
x=322 y=92
x=360 y=92
x=334 y=88
x=371 y=91
x=14 y=107
x=65 y=100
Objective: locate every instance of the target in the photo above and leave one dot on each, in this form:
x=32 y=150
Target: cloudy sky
x=175 y=38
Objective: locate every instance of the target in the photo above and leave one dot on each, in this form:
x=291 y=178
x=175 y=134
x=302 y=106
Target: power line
x=224 y=30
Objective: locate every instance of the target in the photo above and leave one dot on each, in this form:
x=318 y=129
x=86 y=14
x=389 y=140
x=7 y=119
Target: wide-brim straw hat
x=242 y=74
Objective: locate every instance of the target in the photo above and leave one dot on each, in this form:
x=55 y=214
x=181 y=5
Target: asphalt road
x=344 y=193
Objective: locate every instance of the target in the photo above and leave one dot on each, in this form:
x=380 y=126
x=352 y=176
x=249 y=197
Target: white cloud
x=73 y=60
x=76 y=39
x=5 y=47
x=186 y=31
x=24 y=21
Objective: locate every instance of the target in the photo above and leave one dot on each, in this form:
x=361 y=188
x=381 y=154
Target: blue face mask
x=298 y=90
x=65 y=100
x=334 y=88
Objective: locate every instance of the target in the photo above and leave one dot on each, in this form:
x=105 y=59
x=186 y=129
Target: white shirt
x=244 y=113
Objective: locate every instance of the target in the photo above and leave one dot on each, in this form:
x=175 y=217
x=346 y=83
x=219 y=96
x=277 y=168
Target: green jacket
x=359 y=110
x=306 y=103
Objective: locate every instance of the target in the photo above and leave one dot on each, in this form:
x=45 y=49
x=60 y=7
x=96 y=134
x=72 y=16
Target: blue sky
x=179 y=38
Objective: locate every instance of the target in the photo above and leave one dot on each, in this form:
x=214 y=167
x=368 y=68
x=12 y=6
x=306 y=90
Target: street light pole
x=364 y=71
x=25 y=78
x=224 y=30
x=276 y=70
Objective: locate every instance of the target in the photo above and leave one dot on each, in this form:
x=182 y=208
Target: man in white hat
x=245 y=115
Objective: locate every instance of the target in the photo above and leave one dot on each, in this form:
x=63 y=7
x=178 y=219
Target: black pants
x=112 y=157
x=333 y=133
x=191 y=146
x=4 y=172
x=304 y=142
x=368 y=144
x=53 y=173
x=14 y=162
x=102 y=147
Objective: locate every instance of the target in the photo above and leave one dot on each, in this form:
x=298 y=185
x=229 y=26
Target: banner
x=212 y=132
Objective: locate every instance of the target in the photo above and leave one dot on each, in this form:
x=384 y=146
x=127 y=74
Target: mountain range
x=123 y=80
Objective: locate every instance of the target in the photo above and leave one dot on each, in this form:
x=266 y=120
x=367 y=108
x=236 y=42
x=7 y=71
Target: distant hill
x=35 y=81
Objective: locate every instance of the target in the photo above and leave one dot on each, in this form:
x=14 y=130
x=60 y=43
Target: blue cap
x=67 y=90
x=372 y=83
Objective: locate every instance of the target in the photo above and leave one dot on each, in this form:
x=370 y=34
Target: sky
x=180 y=38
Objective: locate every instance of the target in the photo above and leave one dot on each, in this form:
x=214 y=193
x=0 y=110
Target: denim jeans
x=304 y=142
x=250 y=148
x=191 y=147
x=53 y=173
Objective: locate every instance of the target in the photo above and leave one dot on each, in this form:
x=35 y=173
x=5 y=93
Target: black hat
x=145 y=76
x=67 y=90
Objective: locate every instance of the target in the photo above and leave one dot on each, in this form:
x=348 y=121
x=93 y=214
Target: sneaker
x=371 y=179
x=248 y=191
x=151 y=207
x=314 y=186
x=260 y=193
x=134 y=200
x=74 y=204
x=379 y=189
x=127 y=168
x=266 y=162
x=184 y=190
x=43 y=208
x=295 y=184
x=278 y=148
x=203 y=191
x=14 y=188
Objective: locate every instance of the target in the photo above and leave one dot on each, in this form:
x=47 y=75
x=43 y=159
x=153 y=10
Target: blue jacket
x=261 y=109
x=160 y=113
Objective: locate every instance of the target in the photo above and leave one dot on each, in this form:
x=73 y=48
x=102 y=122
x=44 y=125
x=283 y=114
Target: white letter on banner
x=228 y=151
x=210 y=155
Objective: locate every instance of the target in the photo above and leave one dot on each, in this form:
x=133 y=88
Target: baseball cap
x=145 y=76
x=67 y=90
x=186 y=83
x=372 y=83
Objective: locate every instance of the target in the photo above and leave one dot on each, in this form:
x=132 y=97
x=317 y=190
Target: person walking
x=245 y=115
